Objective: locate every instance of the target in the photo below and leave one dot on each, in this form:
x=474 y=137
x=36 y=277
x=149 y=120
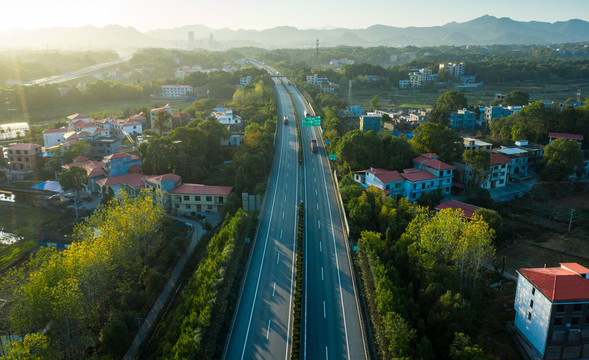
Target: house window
x=198 y=208
x=533 y=290
x=220 y=199
x=558 y=336
x=529 y=316
x=209 y=198
x=387 y=187
x=197 y=198
x=186 y=197
x=560 y=308
x=575 y=320
x=558 y=321
x=532 y=303
x=209 y=207
x=577 y=307
x=187 y=206
x=397 y=185
x=177 y=206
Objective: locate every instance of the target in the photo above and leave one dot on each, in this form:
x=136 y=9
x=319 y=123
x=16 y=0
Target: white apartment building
x=175 y=91
x=456 y=70
x=226 y=117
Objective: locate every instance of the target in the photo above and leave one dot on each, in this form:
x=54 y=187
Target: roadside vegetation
x=85 y=300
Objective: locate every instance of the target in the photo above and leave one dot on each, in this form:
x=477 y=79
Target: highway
x=331 y=324
x=262 y=327
x=56 y=79
x=331 y=327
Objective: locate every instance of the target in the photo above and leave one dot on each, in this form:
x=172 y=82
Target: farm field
x=540 y=224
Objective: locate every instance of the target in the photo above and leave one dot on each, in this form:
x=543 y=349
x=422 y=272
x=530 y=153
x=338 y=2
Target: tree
x=162 y=122
x=562 y=158
x=438 y=139
x=374 y=102
x=73 y=179
x=492 y=218
x=451 y=101
x=444 y=75
x=479 y=161
x=516 y=98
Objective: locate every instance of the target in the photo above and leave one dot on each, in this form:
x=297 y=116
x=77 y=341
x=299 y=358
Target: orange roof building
x=552 y=311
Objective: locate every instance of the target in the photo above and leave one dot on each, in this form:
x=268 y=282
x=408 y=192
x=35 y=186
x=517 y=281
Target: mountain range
x=485 y=30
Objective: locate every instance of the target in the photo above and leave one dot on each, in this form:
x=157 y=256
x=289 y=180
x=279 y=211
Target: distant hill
x=485 y=30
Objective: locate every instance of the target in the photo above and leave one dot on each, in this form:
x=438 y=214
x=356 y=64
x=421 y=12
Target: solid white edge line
x=268 y=330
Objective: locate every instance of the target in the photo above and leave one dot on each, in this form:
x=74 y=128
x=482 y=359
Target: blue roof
x=53 y=186
x=219 y=109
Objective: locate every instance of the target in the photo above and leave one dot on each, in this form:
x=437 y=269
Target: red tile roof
x=155 y=178
x=121 y=155
x=433 y=163
x=77 y=116
x=61 y=130
x=23 y=146
x=560 y=283
x=93 y=168
x=134 y=180
x=419 y=175
x=83 y=124
x=199 y=189
x=384 y=175
x=499 y=159
x=467 y=209
x=565 y=136
x=135 y=169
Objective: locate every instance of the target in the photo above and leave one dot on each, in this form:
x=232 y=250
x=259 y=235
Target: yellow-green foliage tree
x=74 y=290
x=448 y=238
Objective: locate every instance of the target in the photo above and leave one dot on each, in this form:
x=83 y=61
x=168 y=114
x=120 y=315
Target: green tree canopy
x=162 y=122
x=73 y=179
x=438 y=139
x=516 y=98
x=479 y=161
x=562 y=158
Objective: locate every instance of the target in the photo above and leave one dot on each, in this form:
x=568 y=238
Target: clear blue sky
x=263 y=14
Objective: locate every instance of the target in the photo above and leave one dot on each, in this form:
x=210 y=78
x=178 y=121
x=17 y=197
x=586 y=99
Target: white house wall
x=536 y=329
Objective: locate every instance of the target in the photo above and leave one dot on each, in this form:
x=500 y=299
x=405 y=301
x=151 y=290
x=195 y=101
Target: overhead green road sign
x=312 y=121
x=332 y=156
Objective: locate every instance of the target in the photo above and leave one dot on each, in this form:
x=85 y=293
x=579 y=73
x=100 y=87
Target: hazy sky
x=262 y=14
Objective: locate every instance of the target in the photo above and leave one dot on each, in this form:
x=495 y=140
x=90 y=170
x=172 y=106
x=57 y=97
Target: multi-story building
x=193 y=198
x=497 y=173
x=370 y=121
x=552 y=311
x=23 y=156
x=462 y=119
x=403 y=84
x=518 y=168
x=352 y=110
x=444 y=172
x=475 y=144
x=316 y=80
x=468 y=79
x=52 y=137
x=245 y=80
x=420 y=77
x=153 y=114
x=429 y=174
x=389 y=181
x=456 y=70
x=176 y=91
x=494 y=112
x=103 y=146
x=13 y=130
x=226 y=117
x=120 y=164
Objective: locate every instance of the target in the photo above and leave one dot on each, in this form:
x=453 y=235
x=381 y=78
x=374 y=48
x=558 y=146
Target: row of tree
x=190 y=331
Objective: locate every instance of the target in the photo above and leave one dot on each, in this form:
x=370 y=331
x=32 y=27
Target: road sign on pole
x=312 y=121
x=332 y=156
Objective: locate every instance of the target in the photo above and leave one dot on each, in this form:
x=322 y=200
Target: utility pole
x=317 y=52
x=571 y=220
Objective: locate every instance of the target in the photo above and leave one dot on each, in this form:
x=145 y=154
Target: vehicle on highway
x=314 y=145
x=306 y=113
x=286 y=120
